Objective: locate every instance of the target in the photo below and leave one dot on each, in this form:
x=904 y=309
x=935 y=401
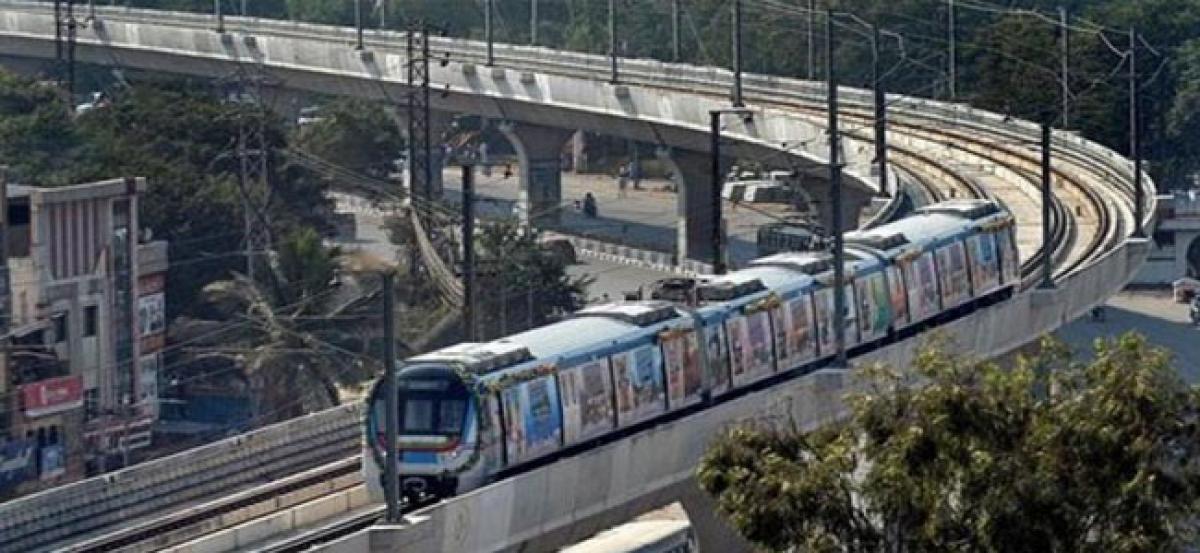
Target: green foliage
x=359 y=135
x=306 y=333
x=36 y=135
x=1048 y=455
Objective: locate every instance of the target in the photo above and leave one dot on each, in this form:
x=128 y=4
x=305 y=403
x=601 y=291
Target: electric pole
x=718 y=246
x=488 y=32
x=737 y=53
x=675 y=17
x=468 y=240
x=835 y=194
x=72 y=27
x=880 y=113
x=1047 y=197
x=216 y=13
x=533 y=22
x=812 y=11
x=1065 y=46
x=612 y=39
x=358 y=23
x=391 y=419
x=953 y=54
x=1135 y=146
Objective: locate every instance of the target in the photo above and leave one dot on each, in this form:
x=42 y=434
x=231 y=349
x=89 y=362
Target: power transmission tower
x=420 y=169
x=245 y=88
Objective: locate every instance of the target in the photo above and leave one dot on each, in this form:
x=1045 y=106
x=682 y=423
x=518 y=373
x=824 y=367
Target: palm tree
x=306 y=329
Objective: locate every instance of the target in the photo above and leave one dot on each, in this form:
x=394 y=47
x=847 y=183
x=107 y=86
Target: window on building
x=60 y=327
x=1164 y=239
x=90 y=315
x=91 y=403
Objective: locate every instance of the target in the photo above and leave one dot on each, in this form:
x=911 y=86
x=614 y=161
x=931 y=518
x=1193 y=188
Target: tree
x=1050 y=455
x=362 y=136
x=308 y=329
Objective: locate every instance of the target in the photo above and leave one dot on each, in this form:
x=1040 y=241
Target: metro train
x=473 y=413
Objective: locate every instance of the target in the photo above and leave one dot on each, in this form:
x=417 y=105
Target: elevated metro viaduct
x=538 y=111
x=577 y=495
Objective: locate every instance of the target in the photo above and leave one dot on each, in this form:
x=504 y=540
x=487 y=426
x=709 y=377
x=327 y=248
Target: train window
x=450 y=415
x=418 y=416
x=750 y=347
x=532 y=419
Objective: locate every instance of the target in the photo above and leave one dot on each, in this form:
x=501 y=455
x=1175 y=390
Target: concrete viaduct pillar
x=439 y=123
x=692 y=174
x=539 y=152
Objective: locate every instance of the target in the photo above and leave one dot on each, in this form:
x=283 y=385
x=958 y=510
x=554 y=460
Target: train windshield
x=432 y=405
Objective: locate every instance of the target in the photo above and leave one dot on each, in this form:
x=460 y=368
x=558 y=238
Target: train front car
x=438 y=414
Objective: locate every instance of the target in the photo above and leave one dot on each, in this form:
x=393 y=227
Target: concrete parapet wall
x=666 y=262
x=147 y=488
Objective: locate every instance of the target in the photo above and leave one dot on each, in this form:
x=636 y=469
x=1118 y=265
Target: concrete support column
x=539 y=152
x=713 y=533
x=439 y=124
x=691 y=173
x=579 y=161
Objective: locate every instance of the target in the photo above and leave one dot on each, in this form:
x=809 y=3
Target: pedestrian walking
x=635 y=174
x=622 y=181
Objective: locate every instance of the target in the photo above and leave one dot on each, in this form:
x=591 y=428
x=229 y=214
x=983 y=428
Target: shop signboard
x=54 y=395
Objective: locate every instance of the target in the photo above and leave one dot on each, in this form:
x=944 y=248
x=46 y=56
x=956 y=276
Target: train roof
x=565 y=336
x=919 y=229
x=973 y=209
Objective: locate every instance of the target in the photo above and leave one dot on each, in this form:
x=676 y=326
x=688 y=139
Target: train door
x=681 y=358
x=898 y=295
x=952 y=270
x=823 y=306
x=985 y=263
x=716 y=357
x=640 y=386
x=1010 y=270
x=586 y=390
x=874 y=306
x=921 y=277
x=750 y=349
x=800 y=332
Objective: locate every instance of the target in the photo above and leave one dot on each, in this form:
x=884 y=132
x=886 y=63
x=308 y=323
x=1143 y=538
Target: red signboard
x=151 y=284
x=52 y=396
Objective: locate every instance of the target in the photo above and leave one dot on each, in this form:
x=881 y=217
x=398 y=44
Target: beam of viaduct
x=671 y=113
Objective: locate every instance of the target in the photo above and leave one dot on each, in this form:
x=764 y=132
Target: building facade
x=81 y=363
x=1175 y=248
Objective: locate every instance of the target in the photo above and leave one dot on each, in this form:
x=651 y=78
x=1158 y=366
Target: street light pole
x=675 y=17
x=1047 y=197
x=216 y=12
x=835 y=194
x=612 y=39
x=391 y=419
x=953 y=54
x=737 y=53
x=533 y=22
x=880 y=113
x=718 y=246
x=1135 y=146
x=358 y=23
x=487 y=31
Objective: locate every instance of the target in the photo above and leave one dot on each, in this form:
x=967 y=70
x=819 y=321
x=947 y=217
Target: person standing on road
x=622 y=180
x=635 y=174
